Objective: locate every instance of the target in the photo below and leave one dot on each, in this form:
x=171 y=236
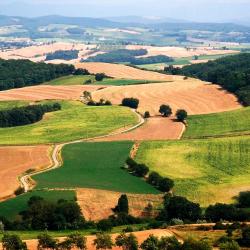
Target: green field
x=219 y=124
x=12 y=207
x=205 y=171
x=80 y=80
x=94 y=165
x=12 y=104
x=70 y=80
x=74 y=121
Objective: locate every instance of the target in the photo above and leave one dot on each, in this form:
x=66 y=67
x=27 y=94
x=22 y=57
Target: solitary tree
x=78 y=241
x=45 y=241
x=165 y=110
x=122 y=206
x=103 y=241
x=181 y=115
x=130 y=102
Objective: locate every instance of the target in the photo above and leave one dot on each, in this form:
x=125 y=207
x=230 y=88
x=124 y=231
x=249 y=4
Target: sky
x=194 y=10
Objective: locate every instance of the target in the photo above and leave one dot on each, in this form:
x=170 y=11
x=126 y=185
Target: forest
x=63 y=55
x=231 y=72
x=22 y=73
x=129 y=56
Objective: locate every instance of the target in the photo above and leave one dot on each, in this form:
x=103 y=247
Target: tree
x=122 y=206
x=127 y=242
x=165 y=110
x=64 y=245
x=151 y=243
x=104 y=225
x=169 y=243
x=230 y=245
x=181 y=115
x=103 y=241
x=141 y=170
x=154 y=179
x=166 y=184
x=244 y=199
x=130 y=102
x=100 y=76
x=192 y=244
x=13 y=242
x=78 y=241
x=45 y=241
x=146 y=114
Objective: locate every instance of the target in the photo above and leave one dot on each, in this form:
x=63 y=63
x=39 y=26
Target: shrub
x=233 y=245
x=165 y=110
x=100 y=76
x=181 y=115
x=13 y=242
x=81 y=72
x=195 y=245
x=146 y=114
x=176 y=221
x=130 y=102
x=104 y=225
x=166 y=184
x=19 y=190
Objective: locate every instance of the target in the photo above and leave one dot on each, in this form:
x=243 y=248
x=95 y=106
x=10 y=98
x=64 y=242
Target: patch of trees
x=63 y=55
x=166 y=111
x=22 y=73
x=129 y=56
x=130 y=102
x=102 y=102
x=231 y=72
x=25 y=115
x=163 y=184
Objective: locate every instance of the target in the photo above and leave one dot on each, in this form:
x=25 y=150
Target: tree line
x=25 y=115
x=231 y=72
x=22 y=73
x=129 y=56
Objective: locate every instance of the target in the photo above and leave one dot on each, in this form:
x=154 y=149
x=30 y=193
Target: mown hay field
x=95 y=165
x=12 y=207
x=204 y=171
x=219 y=124
x=74 y=121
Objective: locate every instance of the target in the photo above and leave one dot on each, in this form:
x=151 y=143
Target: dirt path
x=25 y=180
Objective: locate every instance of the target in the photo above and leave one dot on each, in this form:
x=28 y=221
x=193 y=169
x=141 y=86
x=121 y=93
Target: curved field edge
x=74 y=121
x=96 y=165
x=205 y=171
x=235 y=122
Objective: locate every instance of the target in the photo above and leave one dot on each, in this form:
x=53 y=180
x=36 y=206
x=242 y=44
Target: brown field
x=16 y=160
x=38 y=52
x=155 y=128
x=123 y=72
x=141 y=236
x=193 y=95
x=98 y=204
x=46 y=92
x=180 y=51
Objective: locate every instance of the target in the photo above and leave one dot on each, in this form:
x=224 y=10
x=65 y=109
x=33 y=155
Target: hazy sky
x=199 y=10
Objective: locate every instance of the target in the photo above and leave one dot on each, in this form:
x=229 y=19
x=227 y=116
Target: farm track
x=56 y=156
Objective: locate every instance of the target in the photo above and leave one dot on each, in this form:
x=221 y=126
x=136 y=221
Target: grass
x=80 y=80
x=12 y=207
x=12 y=104
x=70 y=80
x=95 y=165
x=219 y=124
x=27 y=235
x=205 y=171
x=74 y=121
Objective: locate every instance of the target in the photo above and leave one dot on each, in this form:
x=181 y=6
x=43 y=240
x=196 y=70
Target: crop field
x=205 y=171
x=73 y=121
x=122 y=82
x=195 y=96
x=70 y=80
x=12 y=104
x=235 y=122
x=16 y=160
x=95 y=165
x=12 y=207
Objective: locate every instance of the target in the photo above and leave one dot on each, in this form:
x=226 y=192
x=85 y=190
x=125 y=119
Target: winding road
x=25 y=179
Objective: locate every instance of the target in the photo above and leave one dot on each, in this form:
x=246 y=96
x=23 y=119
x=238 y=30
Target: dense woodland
x=22 y=73
x=63 y=55
x=231 y=72
x=129 y=56
x=25 y=115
